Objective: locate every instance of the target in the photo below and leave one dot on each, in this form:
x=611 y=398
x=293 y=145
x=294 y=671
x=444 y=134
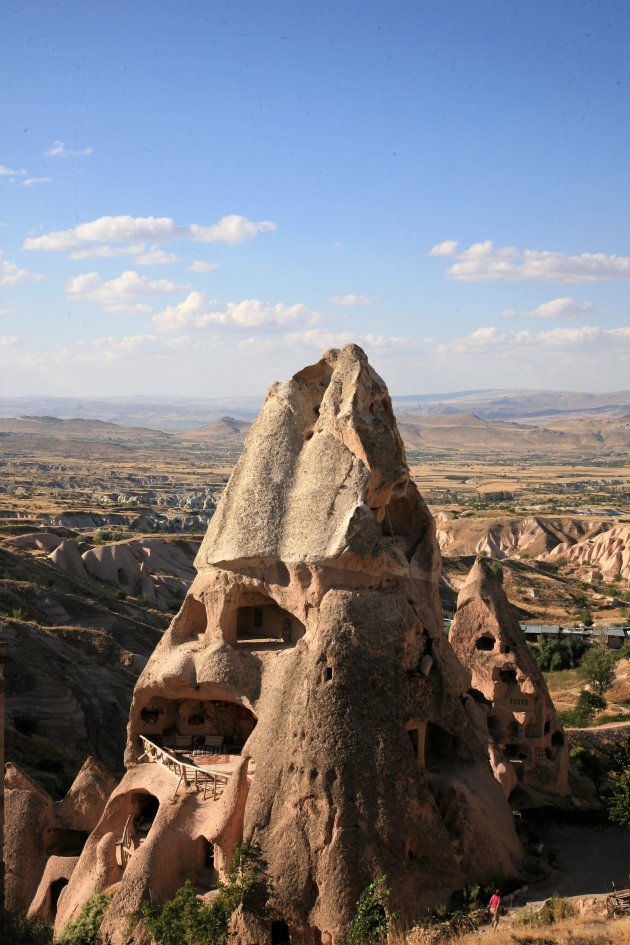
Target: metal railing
x=192 y=777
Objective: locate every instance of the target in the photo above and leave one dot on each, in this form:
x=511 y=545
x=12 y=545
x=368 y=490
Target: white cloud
x=319 y=339
x=200 y=266
x=11 y=172
x=106 y=252
x=154 y=256
x=120 y=294
x=58 y=149
x=230 y=229
x=489 y=338
x=557 y=308
x=32 y=181
x=350 y=300
x=11 y=274
x=197 y=311
x=445 y=248
x=6 y=312
x=6 y=340
x=483 y=262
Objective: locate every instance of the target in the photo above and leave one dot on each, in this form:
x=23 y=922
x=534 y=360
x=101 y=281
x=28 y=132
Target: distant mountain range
x=568 y=433
x=187 y=414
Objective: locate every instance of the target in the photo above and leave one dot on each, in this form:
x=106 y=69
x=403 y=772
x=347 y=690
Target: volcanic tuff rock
x=609 y=553
x=309 y=658
x=528 y=745
x=43 y=838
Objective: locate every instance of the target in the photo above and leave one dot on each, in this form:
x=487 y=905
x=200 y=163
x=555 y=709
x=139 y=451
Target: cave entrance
x=197 y=727
x=280 y=933
x=264 y=621
x=144 y=810
x=62 y=842
x=56 y=888
x=485 y=643
x=440 y=747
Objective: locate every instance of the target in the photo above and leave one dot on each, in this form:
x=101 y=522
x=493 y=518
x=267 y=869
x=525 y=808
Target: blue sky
x=197 y=198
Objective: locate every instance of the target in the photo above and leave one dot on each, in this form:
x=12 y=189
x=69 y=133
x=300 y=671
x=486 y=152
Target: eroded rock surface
x=527 y=743
x=308 y=664
x=44 y=838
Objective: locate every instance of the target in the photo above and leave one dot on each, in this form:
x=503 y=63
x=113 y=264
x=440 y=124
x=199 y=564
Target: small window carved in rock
x=485 y=643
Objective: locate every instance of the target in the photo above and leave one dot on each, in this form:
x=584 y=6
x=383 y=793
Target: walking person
x=495 y=907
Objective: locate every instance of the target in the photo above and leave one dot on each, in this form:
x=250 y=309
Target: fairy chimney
x=308 y=665
x=528 y=744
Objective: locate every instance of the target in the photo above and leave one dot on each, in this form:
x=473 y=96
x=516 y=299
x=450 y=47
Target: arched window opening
x=122 y=576
x=508 y=676
x=280 y=933
x=557 y=740
x=485 y=643
x=191 y=621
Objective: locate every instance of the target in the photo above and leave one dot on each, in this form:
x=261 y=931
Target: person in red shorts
x=495 y=907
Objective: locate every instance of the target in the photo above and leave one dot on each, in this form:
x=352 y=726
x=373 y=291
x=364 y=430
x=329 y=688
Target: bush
x=556 y=653
x=591 y=700
x=85 y=931
x=616 y=794
x=19 y=929
x=371 y=922
x=554 y=910
x=497 y=569
x=185 y=920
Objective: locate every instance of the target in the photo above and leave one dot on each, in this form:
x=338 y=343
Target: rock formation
x=608 y=553
x=305 y=697
x=527 y=743
x=44 y=838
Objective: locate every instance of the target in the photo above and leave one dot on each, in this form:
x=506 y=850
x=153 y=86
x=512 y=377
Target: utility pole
x=3 y=659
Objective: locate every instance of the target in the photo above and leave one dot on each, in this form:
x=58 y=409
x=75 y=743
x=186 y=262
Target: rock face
x=44 y=838
x=309 y=665
x=527 y=743
x=609 y=553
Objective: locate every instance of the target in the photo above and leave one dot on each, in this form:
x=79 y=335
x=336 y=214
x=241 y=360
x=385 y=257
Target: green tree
x=85 y=931
x=372 y=920
x=185 y=920
x=598 y=670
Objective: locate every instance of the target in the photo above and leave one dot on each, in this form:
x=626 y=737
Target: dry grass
x=569 y=932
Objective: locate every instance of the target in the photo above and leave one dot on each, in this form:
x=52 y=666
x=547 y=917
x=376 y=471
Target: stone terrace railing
x=192 y=777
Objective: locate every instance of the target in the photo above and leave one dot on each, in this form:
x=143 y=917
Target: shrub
x=591 y=700
x=185 y=920
x=497 y=569
x=556 y=653
x=371 y=922
x=554 y=910
x=19 y=929
x=85 y=931
x=615 y=796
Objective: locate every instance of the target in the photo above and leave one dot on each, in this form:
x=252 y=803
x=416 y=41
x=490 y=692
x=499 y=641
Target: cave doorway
x=56 y=888
x=280 y=933
x=440 y=747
